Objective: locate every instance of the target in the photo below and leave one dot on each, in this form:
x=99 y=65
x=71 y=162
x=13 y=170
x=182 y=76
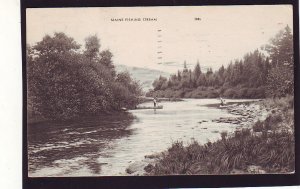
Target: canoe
x=124 y=109
x=223 y=106
x=150 y=107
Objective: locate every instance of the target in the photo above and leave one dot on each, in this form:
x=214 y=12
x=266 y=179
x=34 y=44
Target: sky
x=212 y=35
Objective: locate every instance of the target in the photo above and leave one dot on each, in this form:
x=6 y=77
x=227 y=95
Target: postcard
x=160 y=91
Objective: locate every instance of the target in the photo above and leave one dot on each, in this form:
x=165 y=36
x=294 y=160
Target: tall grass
x=274 y=153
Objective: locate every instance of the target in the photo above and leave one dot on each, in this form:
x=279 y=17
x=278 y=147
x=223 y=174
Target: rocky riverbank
x=244 y=114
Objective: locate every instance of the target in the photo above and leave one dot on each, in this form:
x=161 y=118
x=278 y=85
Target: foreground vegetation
x=257 y=75
x=66 y=81
x=268 y=145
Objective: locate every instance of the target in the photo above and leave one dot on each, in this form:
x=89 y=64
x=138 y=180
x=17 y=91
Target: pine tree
x=197 y=71
x=281 y=75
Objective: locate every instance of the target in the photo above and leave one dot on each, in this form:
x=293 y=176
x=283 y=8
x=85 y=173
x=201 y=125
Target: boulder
x=255 y=169
x=237 y=171
x=142 y=167
x=136 y=167
x=154 y=156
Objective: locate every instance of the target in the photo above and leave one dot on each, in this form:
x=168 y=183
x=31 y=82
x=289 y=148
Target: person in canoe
x=222 y=103
x=154 y=102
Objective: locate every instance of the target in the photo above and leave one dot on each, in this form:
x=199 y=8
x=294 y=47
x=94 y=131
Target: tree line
x=66 y=81
x=255 y=76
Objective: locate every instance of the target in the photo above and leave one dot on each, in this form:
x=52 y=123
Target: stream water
x=105 y=146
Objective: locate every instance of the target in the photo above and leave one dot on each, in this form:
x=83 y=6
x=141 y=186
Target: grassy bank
x=267 y=147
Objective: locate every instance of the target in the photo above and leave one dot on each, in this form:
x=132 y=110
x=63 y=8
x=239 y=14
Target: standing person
x=154 y=101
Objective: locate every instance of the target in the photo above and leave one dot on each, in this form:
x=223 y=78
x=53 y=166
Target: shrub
x=242 y=133
x=224 y=135
x=188 y=95
x=212 y=94
x=242 y=92
x=260 y=92
x=272 y=121
x=251 y=93
x=221 y=91
x=258 y=126
x=230 y=93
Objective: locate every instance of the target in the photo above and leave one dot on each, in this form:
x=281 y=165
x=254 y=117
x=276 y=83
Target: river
x=105 y=146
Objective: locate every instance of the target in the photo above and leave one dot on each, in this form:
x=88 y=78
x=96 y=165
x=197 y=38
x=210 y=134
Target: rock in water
x=136 y=167
x=141 y=167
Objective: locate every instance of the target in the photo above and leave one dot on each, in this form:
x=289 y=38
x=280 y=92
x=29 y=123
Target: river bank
x=150 y=99
x=263 y=142
x=32 y=120
x=237 y=92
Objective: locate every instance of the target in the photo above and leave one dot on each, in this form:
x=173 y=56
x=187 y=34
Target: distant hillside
x=144 y=75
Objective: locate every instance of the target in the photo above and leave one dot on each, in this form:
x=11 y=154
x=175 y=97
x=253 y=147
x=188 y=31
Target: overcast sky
x=223 y=33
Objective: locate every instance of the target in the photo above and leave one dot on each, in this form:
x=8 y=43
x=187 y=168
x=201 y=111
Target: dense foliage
x=65 y=81
x=255 y=76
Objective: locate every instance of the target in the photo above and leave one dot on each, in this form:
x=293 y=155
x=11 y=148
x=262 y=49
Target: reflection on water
x=107 y=145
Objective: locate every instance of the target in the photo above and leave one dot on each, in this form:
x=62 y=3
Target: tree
x=185 y=80
x=64 y=83
x=179 y=76
x=251 y=77
x=123 y=78
x=52 y=76
x=202 y=80
x=126 y=91
x=58 y=44
x=280 y=48
x=197 y=71
x=209 y=71
x=184 y=65
x=191 y=81
x=106 y=60
x=160 y=83
x=221 y=75
x=281 y=76
x=92 y=47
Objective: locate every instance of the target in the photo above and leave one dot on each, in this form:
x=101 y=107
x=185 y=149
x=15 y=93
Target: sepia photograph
x=160 y=91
